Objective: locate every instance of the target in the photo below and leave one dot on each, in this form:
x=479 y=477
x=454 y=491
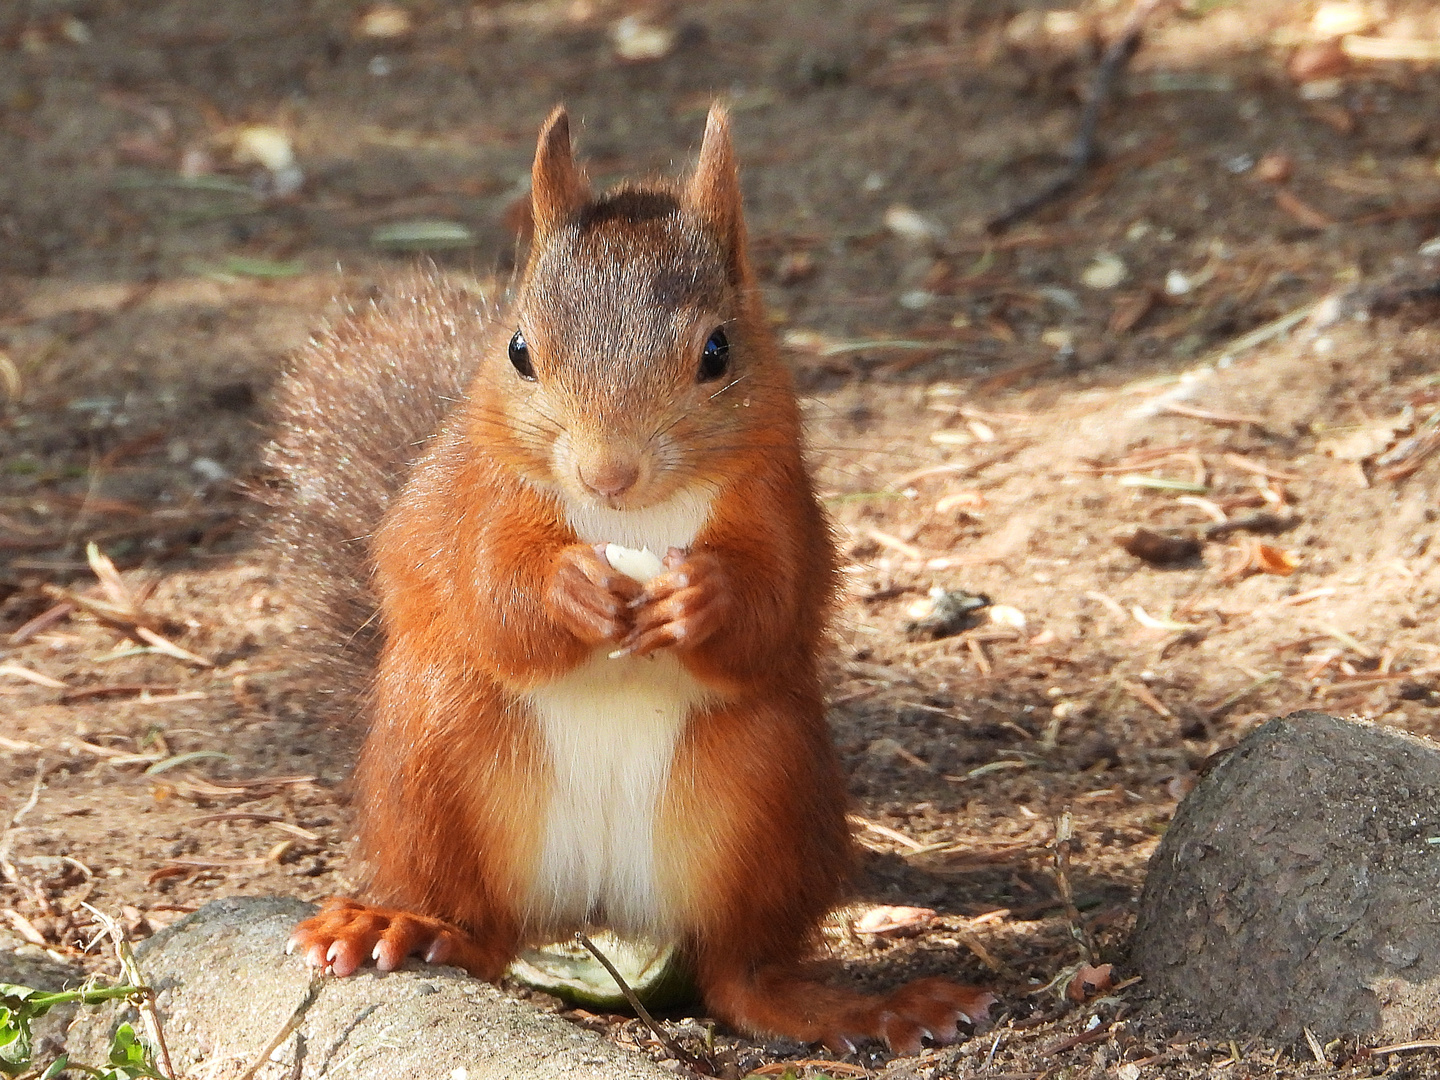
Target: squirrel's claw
x=589 y=597
x=682 y=607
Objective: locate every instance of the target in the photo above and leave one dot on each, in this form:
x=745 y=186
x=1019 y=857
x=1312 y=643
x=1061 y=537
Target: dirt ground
x=988 y=414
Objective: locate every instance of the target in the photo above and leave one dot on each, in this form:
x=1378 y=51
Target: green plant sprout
x=130 y=1058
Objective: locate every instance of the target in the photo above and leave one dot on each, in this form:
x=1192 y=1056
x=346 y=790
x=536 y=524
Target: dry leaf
x=1302 y=211
x=136 y=924
x=1337 y=117
x=1129 y=309
x=1273 y=560
x=967 y=502
x=890 y=920
x=1362 y=444
x=1324 y=60
x=1090 y=981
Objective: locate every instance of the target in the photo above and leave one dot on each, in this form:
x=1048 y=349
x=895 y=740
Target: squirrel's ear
x=713 y=193
x=557 y=186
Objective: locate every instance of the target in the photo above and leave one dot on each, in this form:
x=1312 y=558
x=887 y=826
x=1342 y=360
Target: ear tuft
x=713 y=193
x=558 y=188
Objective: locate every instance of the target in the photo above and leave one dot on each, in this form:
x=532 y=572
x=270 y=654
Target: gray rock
x=226 y=988
x=1299 y=886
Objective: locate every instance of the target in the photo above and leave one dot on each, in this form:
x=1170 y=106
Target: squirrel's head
x=639 y=366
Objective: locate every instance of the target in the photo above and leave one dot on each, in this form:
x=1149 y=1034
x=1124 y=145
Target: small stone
x=1010 y=617
x=1177 y=284
x=209 y=470
x=636 y=40
x=75 y=31
x=1106 y=272
x=1340 y=17
x=263 y=144
x=1275 y=168
x=385 y=21
x=1325 y=90
x=909 y=224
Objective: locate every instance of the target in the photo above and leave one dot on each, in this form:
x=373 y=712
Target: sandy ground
x=987 y=414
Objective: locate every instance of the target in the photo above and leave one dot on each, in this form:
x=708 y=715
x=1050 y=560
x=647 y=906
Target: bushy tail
x=356 y=408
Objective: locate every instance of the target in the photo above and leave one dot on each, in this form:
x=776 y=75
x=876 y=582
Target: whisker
x=739 y=378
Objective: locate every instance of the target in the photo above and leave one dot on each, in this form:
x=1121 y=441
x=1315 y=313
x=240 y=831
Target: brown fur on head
x=620 y=297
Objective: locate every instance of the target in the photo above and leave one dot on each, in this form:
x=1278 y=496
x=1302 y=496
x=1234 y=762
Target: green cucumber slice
x=658 y=974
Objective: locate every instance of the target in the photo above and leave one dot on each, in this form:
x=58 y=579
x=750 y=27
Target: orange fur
x=490 y=594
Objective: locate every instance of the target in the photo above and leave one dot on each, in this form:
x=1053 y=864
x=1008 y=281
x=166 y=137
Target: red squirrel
x=553 y=744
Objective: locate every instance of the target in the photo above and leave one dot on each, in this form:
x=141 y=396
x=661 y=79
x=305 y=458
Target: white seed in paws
x=641 y=565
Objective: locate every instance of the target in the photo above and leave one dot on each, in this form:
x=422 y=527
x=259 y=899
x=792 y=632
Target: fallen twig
x=1230 y=419
x=885 y=831
x=1239 y=695
x=43 y=621
x=130 y=972
x=829 y=1068
x=1400 y=1048
x=681 y=1054
x=114 y=690
x=169 y=648
x=1085 y=151
x=1093 y=1035
x=1263 y=522
x=286 y=1028
x=1064 y=838
x=1246 y=465
x=117 y=615
x=7 y=868
x=894 y=543
x=19 y=671
x=1146 y=697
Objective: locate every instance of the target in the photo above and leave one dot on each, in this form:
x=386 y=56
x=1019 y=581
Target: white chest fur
x=611 y=727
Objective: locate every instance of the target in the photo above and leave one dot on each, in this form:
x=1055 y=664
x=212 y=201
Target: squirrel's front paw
x=589 y=597
x=682 y=606
x=345 y=933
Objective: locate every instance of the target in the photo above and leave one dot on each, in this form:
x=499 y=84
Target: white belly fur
x=611 y=727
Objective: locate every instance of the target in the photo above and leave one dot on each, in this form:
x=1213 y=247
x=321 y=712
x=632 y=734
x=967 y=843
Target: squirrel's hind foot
x=785 y=1002
x=345 y=934
x=927 y=1008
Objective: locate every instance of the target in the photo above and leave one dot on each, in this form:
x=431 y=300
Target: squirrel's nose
x=609 y=478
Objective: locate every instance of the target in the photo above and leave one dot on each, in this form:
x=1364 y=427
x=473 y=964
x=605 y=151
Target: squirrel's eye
x=520 y=356
x=715 y=360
